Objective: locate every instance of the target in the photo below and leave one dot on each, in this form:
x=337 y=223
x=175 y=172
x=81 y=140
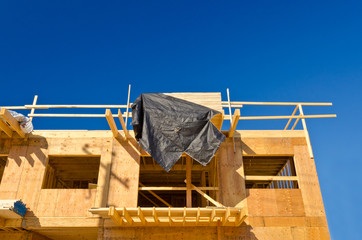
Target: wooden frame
x=134 y=217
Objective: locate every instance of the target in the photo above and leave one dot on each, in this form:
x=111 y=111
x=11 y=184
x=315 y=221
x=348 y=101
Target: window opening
x=270 y=172
x=71 y=172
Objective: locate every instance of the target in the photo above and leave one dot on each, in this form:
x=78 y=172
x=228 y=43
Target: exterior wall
x=63 y=213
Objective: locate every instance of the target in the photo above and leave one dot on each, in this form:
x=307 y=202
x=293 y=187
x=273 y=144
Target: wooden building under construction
x=79 y=184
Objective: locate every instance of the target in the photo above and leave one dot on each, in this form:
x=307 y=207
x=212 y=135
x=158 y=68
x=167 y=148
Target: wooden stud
x=10 y=120
x=188 y=182
x=198 y=216
x=114 y=215
x=34 y=104
x=111 y=123
x=124 y=126
x=234 y=122
x=155 y=216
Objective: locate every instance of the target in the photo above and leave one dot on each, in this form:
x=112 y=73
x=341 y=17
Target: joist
x=5 y=128
x=234 y=122
x=6 y=117
x=112 y=123
x=169 y=216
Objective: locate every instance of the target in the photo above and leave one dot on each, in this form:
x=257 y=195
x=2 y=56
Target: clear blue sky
x=83 y=52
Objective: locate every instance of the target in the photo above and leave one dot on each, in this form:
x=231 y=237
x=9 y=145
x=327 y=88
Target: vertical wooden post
x=203 y=183
x=188 y=182
x=306 y=132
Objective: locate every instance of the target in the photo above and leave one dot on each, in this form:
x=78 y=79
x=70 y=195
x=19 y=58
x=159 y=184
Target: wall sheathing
x=63 y=213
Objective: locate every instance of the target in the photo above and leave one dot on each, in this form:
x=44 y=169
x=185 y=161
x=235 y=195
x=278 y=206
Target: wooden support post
x=188 y=182
x=111 y=123
x=124 y=126
x=114 y=215
x=290 y=119
x=240 y=217
x=33 y=108
x=219 y=236
x=155 y=216
x=11 y=121
x=203 y=184
x=234 y=122
x=198 y=216
x=306 y=132
x=156 y=196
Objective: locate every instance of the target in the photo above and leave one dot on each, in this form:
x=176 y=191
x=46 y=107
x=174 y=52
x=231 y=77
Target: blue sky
x=84 y=52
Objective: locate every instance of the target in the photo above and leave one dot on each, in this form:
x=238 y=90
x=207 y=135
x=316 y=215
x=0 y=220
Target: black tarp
x=166 y=127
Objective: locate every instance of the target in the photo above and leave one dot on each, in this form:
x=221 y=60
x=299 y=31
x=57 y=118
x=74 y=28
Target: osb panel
x=70 y=233
x=75 y=146
x=231 y=174
x=124 y=176
x=275 y=202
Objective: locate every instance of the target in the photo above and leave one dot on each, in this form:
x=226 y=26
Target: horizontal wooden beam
x=278 y=103
x=156 y=196
x=175 y=188
x=283 y=117
x=271 y=178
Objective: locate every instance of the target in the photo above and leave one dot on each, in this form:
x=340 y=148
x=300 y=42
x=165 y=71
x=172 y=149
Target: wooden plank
x=234 y=122
x=111 y=123
x=5 y=128
x=33 y=109
x=127 y=216
x=156 y=196
x=141 y=216
x=188 y=182
x=124 y=126
x=279 y=103
x=271 y=178
x=114 y=215
x=10 y=120
x=193 y=187
x=175 y=188
x=284 y=117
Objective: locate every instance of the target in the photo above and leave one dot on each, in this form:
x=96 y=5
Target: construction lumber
x=271 y=178
x=11 y=121
x=111 y=123
x=309 y=145
x=234 y=122
x=33 y=109
x=123 y=124
x=216 y=203
x=278 y=103
x=114 y=215
x=188 y=182
x=5 y=128
x=290 y=119
x=175 y=188
x=156 y=196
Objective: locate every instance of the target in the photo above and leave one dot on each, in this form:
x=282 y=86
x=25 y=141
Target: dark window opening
x=270 y=172
x=153 y=175
x=2 y=166
x=71 y=172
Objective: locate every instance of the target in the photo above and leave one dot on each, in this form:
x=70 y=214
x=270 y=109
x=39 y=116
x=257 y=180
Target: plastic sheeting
x=166 y=127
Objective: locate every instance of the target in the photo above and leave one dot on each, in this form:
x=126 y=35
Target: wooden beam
x=127 y=216
x=226 y=216
x=143 y=195
x=295 y=123
x=175 y=188
x=124 y=126
x=111 y=123
x=155 y=215
x=306 y=132
x=141 y=216
x=114 y=215
x=234 y=122
x=240 y=217
x=188 y=182
x=5 y=128
x=271 y=178
x=156 y=196
x=11 y=121
x=285 y=117
x=206 y=196
x=295 y=110
x=278 y=103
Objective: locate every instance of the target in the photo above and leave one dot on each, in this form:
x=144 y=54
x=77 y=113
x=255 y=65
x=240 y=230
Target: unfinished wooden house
x=79 y=184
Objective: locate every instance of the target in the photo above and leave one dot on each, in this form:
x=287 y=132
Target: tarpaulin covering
x=166 y=127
